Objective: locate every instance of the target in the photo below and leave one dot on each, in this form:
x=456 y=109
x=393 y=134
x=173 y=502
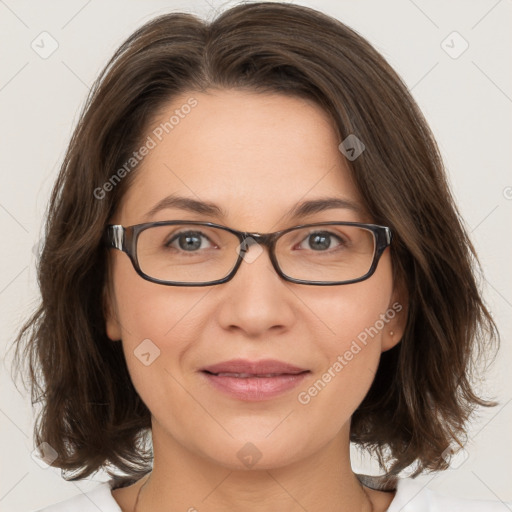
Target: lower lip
x=255 y=388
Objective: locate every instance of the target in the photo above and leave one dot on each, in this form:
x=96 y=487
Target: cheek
x=353 y=315
x=357 y=318
x=150 y=310
x=157 y=325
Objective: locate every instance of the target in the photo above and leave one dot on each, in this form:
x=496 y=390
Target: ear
x=397 y=318
x=112 y=325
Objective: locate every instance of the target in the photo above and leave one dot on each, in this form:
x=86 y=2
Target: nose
x=256 y=300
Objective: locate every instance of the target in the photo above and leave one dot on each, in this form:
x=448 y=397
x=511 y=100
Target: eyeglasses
x=190 y=253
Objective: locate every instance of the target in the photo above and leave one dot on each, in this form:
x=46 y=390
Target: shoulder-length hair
x=422 y=395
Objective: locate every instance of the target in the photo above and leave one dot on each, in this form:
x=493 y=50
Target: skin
x=242 y=150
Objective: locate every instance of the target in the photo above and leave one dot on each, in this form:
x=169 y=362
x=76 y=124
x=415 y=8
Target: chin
x=254 y=453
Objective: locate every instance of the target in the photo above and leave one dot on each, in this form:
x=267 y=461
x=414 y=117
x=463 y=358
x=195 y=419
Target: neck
x=182 y=480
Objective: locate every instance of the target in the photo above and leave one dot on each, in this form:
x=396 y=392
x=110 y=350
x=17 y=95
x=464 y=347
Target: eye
x=189 y=241
x=321 y=240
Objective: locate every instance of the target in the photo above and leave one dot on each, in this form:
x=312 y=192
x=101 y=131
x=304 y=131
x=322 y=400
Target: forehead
x=254 y=154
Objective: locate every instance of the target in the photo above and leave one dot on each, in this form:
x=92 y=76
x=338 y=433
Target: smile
x=258 y=380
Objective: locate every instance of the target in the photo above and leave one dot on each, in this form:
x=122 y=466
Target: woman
x=253 y=256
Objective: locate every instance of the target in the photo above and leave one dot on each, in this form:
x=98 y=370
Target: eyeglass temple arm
x=114 y=237
x=386 y=240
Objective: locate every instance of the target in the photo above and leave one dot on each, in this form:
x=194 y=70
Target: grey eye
x=188 y=241
x=320 y=240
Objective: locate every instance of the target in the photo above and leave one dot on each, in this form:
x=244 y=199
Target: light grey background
x=466 y=98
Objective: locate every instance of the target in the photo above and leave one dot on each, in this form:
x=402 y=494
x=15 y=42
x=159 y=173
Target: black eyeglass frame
x=124 y=238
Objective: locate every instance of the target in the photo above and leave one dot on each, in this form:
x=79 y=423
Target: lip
x=254 y=380
x=262 y=367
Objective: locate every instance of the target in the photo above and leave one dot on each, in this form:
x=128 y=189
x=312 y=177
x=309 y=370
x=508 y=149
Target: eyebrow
x=301 y=209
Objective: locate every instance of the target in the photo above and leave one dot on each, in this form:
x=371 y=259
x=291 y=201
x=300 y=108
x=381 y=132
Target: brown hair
x=423 y=393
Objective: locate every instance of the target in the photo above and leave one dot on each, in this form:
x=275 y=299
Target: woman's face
x=256 y=156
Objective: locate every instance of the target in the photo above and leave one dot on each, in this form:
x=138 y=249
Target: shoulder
x=99 y=498
x=411 y=496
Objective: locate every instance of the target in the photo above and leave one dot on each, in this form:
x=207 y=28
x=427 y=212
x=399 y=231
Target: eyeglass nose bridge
x=263 y=239
x=266 y=239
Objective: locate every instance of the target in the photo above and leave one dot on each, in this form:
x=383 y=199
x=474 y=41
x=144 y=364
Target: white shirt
x=410 y=496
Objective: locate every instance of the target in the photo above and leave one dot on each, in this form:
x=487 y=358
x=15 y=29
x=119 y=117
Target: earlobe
x=390 y=339
x=397 y=314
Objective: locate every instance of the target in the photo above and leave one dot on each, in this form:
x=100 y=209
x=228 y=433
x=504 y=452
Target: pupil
x=319 y=241
x=190 y=242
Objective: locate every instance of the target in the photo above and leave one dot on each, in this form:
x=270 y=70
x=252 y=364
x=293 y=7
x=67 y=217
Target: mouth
x=251 y=375
x=254 y=381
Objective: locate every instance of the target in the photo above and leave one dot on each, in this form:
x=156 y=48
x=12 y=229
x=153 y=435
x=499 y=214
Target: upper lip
x=263 y=367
